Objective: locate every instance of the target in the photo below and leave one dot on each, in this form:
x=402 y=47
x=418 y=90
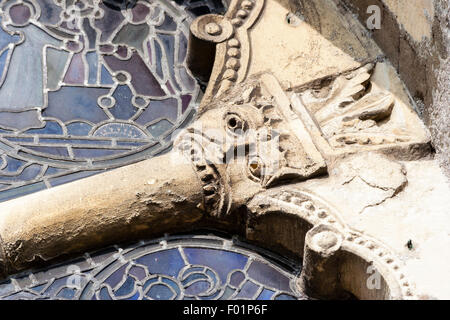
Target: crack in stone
x=378 y=203
x=395 y=190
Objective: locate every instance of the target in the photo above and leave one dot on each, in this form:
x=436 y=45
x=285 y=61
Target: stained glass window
x=189 y=267
x=90 y=85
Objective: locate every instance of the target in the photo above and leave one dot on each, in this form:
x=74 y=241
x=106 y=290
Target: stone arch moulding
x=278 y=116
x=336 y=257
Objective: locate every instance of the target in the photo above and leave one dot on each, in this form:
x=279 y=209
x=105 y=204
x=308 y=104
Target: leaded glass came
x=90 y=85
x=192 y=267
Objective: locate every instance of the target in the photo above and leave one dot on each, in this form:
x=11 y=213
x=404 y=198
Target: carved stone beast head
x=252 y=138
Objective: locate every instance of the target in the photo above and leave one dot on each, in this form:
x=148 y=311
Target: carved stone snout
x=319 y=277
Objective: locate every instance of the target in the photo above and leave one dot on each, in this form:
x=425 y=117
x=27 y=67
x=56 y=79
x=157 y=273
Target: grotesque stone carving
x=253 y=132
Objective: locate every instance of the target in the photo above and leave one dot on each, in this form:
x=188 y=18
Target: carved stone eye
x=235 y=124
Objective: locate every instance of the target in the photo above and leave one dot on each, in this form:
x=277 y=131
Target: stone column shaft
x=319 y=277
x=98 y=211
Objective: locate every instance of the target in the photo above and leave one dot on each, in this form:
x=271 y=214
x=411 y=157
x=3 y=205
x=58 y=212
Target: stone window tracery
x=97 y=85
x=189 y=267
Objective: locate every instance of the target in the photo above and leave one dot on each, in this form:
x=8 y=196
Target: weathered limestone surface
x=396 y=202
x=415 y=36
x=416 y=18
x=330 y=43
x=319 y=277
x=110 y=207
x=322 y=136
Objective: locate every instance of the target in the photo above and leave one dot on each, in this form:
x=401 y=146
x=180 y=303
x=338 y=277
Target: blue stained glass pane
x=248 y=291
x=167 y=108
x=20 y=120
x=114 y=279
x=266 y=294
x=106 y=77
x=159 y=55
x=228 y=292
x=92 y=60
x=149 y=282
x=159 y=128
x=94 y=153
x=6 y=287
x=237 y=278
x=196 y=288
x=3 y=57
x=285 y=297
x=6 y=38
x=221 y=261
x=183 y=48
x=169 y=46
x=78 y=129
x=76 y=103
x=104 y=294
x=123 y=109
x=194 y=276
x=131 y=144
x=51 y=127
x=57 y=285
x=52 y=171
x=39 y=288
x=126 y=288
x=21 y=191
x=172 y=284
x=134 y=297
x=168 y=24
x=56 y=151
x=267 y=275
x=21 y=296
x=138 y=272
x=71 y=177
x=167 y=262
x=160 y=292
x=109 y=76
x=14 y=139
x=155 y=270
x=120 y=130
x=66 y=293
x=196 y=284
x=75 y=141
x=13 y=164
x=28 y=173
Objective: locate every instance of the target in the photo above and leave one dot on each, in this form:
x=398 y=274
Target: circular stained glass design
x=89 y=85
x=173 y=268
